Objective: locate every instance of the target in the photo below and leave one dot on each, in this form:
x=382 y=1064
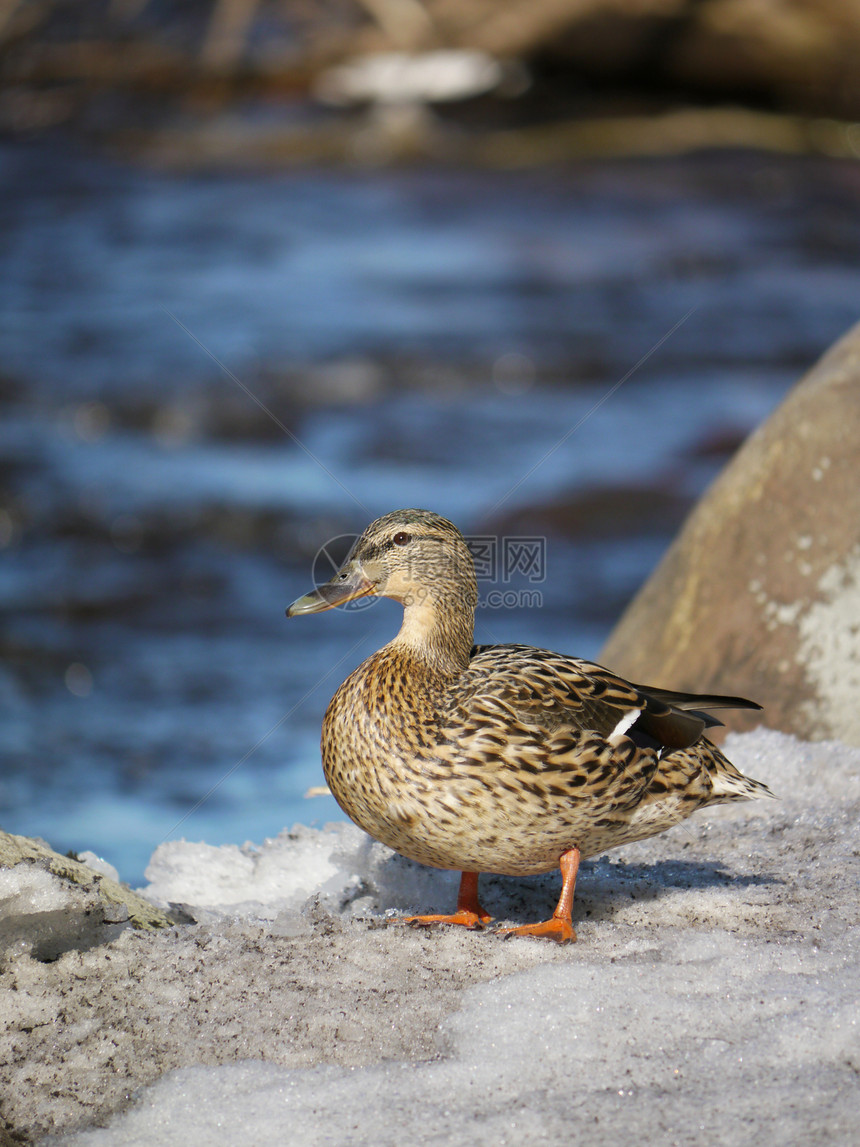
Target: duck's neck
x=437 y=631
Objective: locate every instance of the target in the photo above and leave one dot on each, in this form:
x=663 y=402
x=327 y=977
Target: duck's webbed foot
x=552 y=929
x=560 y=925
x=469 y=912
x=465 y=919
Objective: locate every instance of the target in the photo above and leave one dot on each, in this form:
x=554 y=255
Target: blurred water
x=426 y=338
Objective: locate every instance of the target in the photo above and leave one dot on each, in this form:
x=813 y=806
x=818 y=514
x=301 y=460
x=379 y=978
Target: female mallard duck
x=499 y=758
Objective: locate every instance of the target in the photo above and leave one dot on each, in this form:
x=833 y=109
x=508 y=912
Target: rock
x=760 y=593
x=55 y=903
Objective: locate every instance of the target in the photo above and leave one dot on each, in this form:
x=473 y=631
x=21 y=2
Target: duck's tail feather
x=729 y=783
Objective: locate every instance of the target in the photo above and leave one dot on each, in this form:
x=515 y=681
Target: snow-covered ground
x=712 y=996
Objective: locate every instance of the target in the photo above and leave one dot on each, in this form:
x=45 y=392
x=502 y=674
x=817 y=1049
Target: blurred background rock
x=508 y=81
x=269 y=270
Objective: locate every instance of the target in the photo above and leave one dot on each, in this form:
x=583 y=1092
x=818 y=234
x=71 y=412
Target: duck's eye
x=402 y=539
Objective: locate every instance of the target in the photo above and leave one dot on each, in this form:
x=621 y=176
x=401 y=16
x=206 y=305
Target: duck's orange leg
x=560 y=925
x=469 y=912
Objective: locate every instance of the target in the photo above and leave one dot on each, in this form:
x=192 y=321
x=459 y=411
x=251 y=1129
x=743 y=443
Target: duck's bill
x=336 y=592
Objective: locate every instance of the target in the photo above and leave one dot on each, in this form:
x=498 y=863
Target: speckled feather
x=499 y=758
x=495 y=773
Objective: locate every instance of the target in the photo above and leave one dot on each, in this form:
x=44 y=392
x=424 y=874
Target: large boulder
x=760 y=593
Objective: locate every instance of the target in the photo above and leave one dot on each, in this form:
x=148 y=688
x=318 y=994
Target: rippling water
x=204 y=379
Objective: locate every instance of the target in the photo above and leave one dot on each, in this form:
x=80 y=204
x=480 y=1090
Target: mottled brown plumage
x=501 y=758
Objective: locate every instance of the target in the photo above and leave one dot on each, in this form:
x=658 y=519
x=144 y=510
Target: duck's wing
x=552 y=690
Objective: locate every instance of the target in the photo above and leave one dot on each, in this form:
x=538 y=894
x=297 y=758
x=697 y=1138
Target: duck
x=505 y=759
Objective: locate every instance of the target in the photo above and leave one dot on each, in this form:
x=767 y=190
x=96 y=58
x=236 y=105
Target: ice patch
x=696 y=1039
x=340 y=865
x=27 y=889
x=712 y=996
x=98 y=864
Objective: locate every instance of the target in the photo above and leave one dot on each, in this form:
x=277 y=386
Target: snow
x=42 y=917
x=340 y=866
x=712 y=995
x=98 y=864
x=26 y=891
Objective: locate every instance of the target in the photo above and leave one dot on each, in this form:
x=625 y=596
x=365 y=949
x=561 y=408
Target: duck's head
x=413 y=556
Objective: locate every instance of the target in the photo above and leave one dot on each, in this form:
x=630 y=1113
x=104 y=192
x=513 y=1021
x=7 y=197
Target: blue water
x=445 y=339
